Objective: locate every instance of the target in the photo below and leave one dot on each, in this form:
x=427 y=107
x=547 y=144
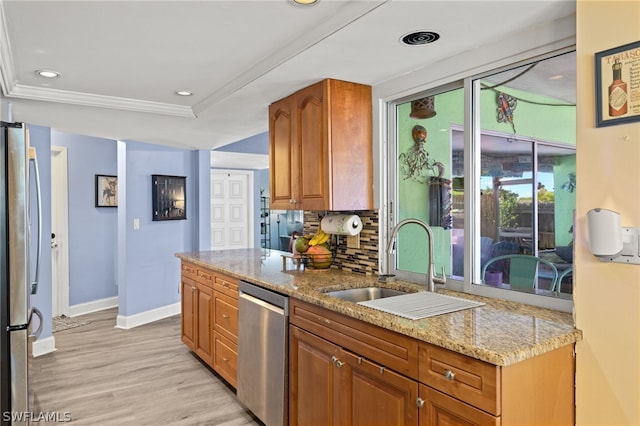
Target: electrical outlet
x=353 y=241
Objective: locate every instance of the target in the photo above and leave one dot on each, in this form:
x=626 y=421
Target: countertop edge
x=399 y=325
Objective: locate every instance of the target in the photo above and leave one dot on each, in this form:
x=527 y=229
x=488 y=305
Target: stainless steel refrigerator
x=21 y=239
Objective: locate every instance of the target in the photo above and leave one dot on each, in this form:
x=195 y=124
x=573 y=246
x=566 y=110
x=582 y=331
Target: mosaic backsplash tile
x=363 y=260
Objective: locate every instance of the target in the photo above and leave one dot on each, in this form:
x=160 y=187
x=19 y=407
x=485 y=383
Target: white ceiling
x=122 y=61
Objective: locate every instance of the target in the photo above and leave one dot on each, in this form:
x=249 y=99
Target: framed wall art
x=106 y=191
x=618 y=85
x=169 y=197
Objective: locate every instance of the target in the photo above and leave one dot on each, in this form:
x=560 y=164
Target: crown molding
x=6 y=62
x=85 y=99
x=11 y=89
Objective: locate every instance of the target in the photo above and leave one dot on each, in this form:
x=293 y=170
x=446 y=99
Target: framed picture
x=618 y=85
x=169 y=197
x=106 y=191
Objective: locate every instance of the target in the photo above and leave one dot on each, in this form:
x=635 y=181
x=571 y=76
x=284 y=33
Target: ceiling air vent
x=420 y=37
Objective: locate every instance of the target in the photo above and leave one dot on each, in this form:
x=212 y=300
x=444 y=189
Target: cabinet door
x=189 y=300
x=442 y=410
x=377 y=396
x=310 y=130
x=204 y=341
x=281 y=154
x=312 y=379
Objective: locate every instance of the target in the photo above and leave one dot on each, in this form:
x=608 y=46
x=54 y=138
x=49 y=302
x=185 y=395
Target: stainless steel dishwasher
x=263 y=321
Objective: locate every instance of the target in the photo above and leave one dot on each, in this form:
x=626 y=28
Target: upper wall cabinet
x=320 y=148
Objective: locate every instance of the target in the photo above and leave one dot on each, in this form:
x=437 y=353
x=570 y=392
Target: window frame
x=472 y=152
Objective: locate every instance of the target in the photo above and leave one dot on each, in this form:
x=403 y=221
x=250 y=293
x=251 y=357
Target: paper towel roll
x=342 y=224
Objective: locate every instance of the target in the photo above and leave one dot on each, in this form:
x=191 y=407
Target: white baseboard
x=93 y=306
x=147 y=316
x=44 y=346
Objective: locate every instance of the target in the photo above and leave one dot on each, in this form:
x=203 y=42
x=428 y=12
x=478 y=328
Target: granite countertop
x=499 y=332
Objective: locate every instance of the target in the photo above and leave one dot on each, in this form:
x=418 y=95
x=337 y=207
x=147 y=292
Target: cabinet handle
x=420 y=402
x=449 y=375
x=193 y=288
x=225 y=359
x=337 y=362
x=225 y=316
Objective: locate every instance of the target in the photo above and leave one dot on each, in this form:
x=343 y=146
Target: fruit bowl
x=320 y=261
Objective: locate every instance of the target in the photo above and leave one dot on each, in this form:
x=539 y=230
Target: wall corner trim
x=131 y=321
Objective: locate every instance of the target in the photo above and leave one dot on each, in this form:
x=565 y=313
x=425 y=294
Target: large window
x=515 y=160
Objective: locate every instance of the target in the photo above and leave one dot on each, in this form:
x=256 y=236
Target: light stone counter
x=500 y=332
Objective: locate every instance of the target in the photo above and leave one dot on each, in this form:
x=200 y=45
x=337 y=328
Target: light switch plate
x=136 y=223
x=353 y=241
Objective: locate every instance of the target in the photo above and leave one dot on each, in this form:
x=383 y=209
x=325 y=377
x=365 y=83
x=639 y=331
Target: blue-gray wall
x=92 y=230
x=107 y=257
x=152 y=272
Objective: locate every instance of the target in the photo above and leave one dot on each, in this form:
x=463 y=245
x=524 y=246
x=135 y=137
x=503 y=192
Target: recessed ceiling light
x=184 y=93
x=556 y=77
x=47 y=73
x=304 y=2
x=420 y=37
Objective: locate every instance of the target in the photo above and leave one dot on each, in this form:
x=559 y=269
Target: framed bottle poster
x=618 y=85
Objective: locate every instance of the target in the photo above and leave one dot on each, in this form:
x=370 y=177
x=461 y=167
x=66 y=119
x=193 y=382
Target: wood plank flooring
x=102 y=375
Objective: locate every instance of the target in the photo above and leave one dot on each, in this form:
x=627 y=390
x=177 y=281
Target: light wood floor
x=101 y=375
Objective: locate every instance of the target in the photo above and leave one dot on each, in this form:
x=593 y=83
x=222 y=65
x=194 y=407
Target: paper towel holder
x=611 y=242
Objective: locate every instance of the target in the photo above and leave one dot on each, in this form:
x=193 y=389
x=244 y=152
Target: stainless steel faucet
x=432 y=278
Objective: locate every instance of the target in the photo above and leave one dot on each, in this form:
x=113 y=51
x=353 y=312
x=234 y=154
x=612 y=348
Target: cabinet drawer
x=440 y=409
x=393 y=350
x=226 y=359
x=227 y=285
x=204 y=276
x=226 y=316
x=470 y=380
x=188 y=270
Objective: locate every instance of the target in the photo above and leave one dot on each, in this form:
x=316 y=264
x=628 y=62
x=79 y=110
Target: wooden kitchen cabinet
x=440 y=409
x=320 y=148
x=332 y=386
x=465 y=391
x=226 y=328
x=343 y=370
x=210 y=318
x=197 y=316
x=204 y=342
x=189 y=304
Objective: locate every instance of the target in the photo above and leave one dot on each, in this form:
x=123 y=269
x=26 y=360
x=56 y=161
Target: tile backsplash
x=363 y=260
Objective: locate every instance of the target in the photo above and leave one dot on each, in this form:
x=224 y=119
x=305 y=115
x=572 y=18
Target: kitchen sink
x=358 y=295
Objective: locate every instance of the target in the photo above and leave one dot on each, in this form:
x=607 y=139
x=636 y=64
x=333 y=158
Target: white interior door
x=231 y=209
x=59 y=232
